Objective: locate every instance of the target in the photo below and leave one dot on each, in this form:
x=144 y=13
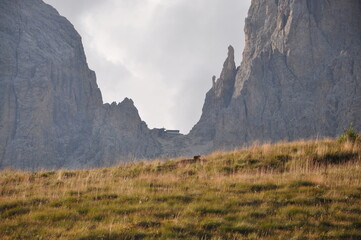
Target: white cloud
x=160 y=53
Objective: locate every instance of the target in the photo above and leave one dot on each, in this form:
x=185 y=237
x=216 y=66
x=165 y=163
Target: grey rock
x=120 y=135
x=217 y=99
x=300 y=77
x=51 y=109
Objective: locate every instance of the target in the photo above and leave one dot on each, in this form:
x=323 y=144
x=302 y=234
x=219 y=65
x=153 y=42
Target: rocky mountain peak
x=299 y=77
x=217 y=98
x=224 y=86
x=127 y=102
x=127 y=107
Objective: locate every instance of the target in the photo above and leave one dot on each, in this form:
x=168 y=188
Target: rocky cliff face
x=217 y=99
x=300 y=76
x=120 y=135
x=51 y=109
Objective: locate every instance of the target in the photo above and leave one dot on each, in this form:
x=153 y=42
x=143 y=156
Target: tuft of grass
x=302 y=183
x=14 y=212
x=211 y=224
x=105 y=197
x=241 y=228
x=263 y=187
x=209 y=210
x=105 y=235
x=148 y=224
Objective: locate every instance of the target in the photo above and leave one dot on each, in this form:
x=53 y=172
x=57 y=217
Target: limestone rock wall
x=300 y=76
x=51 y=109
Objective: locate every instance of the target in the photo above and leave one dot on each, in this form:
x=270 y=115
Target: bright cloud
x=160 y=53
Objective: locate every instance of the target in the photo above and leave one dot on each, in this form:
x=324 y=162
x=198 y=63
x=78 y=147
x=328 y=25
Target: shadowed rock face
x=51 y=109
x=300 y=76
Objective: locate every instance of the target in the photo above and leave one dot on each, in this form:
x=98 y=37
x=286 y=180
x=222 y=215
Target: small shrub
x=349 y=135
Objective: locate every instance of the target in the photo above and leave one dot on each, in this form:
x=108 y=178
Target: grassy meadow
x=298 y=190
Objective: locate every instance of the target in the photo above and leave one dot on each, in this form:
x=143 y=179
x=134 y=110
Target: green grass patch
x=15 y=212
x=263 y=187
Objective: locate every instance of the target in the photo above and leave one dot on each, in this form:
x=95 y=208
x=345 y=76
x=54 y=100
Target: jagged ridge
x=299 y=78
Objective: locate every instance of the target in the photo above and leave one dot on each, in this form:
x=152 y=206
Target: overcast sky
x=160 y=53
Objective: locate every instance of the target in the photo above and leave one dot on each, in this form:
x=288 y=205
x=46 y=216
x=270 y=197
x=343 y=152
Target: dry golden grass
x=298 y=190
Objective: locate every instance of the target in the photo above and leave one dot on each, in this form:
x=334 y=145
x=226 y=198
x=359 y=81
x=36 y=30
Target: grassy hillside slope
x=299 y=190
